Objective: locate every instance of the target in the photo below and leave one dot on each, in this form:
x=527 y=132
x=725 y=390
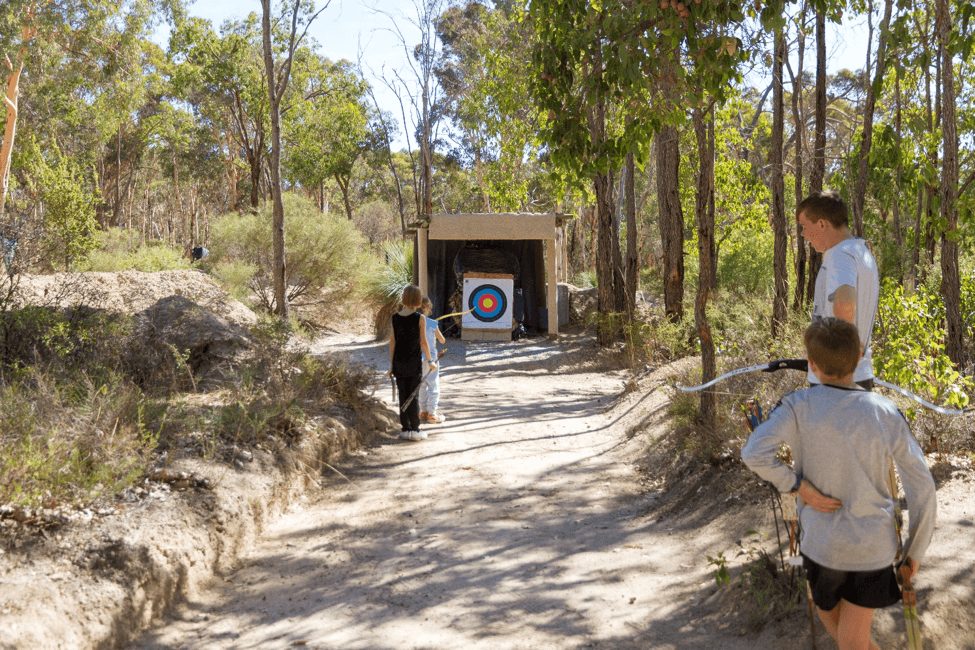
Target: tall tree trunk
x=605 y=290
x=619 y=275
x=930 y=230
x=671 y=221
x=10 y=128
x=780 y=302
x=866 y=134
x=343 y=183
x=607 y=252
x=117 y=207
x=632 y=260
x=898 y=228
x=950 y=281
x=279 y=270
x=704 y=216
x=256 y=162
x=798 y=118
x=817 y=174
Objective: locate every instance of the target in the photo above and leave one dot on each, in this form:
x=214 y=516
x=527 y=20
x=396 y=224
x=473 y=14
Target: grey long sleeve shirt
x=841 y=441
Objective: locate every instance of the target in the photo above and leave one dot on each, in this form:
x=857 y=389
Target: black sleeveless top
x=406 y=355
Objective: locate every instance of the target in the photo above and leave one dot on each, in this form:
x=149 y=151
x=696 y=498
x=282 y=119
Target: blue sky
x=350 y=28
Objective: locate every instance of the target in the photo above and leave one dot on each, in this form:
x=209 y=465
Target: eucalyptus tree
x=799 y=136
x=947 y=39
x=703 y=120
x=485 y=74
x=779 y=228
x=223 y=76
x=328 y=126
x=610 y=76
x=278 y=60
x=866 y=131
x=26 y=19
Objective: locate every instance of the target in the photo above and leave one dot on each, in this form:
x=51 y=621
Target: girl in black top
x=406 y=345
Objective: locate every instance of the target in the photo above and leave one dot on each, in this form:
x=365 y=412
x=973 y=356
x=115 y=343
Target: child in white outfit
x=430 y=390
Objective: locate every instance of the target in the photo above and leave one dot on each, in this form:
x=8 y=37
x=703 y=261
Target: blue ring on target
x=487 y=303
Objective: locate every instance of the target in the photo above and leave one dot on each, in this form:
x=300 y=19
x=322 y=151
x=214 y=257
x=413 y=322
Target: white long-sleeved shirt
x=842 y=440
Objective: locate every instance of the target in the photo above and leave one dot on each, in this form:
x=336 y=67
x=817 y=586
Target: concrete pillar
x=422 y=235
x=551 y=286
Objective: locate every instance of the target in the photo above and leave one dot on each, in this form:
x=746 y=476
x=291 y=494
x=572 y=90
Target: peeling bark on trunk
x=632 y=260
x=818 y=173
x=9 y=130
x=671 y=221
x=866 y=135
x=704 y=215
x=799 y=295
x=781 y=300
x=950 y=281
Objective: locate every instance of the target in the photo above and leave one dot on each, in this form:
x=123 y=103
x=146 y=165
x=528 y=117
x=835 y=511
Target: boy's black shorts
x=873 y=589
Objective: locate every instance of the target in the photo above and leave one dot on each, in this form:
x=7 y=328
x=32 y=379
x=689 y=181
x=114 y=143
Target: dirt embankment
x=95 y=576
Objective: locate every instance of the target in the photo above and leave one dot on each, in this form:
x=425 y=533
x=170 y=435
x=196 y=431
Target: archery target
x=489 y=300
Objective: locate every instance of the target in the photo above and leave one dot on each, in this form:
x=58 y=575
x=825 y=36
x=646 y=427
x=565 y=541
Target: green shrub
x=63 y=341
x=321 y=251
x=236 y=277
x=746 y=262
x=69 y=200
x=122 y=250
x=910 y=349
x=70 y=442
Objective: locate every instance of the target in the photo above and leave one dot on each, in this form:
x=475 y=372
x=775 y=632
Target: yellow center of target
x=488 y=303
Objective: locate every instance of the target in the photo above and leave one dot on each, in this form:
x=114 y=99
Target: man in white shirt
x=848 y=283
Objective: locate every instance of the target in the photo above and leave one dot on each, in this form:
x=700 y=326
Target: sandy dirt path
x=519 y=523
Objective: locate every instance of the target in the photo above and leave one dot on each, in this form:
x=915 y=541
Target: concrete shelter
x=534 y=242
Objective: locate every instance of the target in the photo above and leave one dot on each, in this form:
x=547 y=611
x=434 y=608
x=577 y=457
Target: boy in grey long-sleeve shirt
x=842 y=438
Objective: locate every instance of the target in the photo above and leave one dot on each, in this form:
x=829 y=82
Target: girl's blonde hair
x=412 y=297
x=426 y=302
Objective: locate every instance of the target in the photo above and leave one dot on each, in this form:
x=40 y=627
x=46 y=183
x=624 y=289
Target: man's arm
x=845 y=303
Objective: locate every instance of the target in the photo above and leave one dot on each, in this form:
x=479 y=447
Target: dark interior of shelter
x=447 y=261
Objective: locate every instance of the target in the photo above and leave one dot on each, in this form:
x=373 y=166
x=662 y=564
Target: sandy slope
x=521 y=523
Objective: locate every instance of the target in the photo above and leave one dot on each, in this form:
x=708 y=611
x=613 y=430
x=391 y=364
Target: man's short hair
x=825 y=205
x=412 y=296
x=834 y=345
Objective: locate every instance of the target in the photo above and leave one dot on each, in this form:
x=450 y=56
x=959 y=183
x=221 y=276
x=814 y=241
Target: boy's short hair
x=834 y=345
x=412 y=296
x=825 y=205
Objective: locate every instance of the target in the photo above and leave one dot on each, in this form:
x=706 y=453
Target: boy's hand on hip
x=816 y=499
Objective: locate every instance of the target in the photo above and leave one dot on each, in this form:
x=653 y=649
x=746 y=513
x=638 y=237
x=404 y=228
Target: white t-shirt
x=850 y=262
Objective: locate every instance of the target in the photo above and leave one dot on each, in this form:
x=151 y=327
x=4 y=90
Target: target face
x=489 y=302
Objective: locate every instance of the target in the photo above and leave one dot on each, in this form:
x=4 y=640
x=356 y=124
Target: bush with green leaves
x=56 y=223
x=70 y=442
x=909 y=349
x=121 y=249
x=322 y=251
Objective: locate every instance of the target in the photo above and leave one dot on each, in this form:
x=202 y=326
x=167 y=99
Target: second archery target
x=488 y=297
